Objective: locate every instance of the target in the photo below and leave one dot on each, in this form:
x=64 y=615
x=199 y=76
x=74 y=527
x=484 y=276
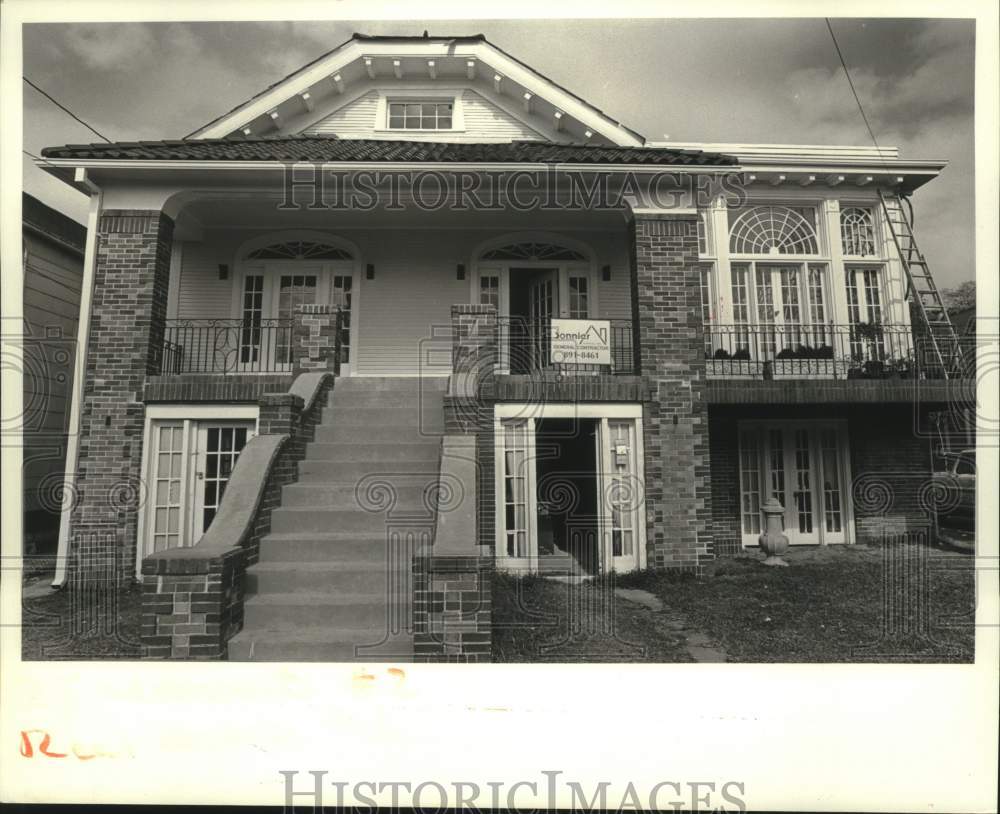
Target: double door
x=617 y=516
x=527 y=298
x=271 y=293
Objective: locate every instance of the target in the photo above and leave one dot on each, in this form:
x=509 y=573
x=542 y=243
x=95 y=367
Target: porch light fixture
x=460 y=271
x=606 y=274
x=223 y=271
x=370 y=271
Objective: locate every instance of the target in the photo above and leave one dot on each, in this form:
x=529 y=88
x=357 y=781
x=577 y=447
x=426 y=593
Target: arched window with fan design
x=774 y=230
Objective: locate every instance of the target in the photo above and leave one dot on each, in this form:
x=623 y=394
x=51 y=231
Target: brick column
x=667 y=306
x=316 y=338
x=124 y=346
x=452 y=608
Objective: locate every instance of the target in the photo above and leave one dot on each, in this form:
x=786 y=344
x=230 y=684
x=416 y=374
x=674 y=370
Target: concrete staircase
x=321 y=590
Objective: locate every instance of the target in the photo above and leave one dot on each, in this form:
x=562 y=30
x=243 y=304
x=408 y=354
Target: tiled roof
x=326 y=148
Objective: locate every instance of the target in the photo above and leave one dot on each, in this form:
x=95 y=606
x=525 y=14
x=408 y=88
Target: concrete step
x=408 y=493
x=342 y=611
x=353 y=472
x=324 y=547
x=427 y=450
x=375 y=432
x=318 y=643
x=389 y=415
x=311 y=519
x=360 y=576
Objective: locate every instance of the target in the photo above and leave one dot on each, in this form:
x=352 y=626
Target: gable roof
x=332 y=149
x=368 y=47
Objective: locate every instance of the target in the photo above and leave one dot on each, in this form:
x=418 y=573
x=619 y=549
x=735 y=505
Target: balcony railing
x=526 y=348
x=226 y=346
x=864 y=351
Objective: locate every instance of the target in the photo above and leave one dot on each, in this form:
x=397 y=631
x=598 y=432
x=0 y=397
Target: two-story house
x=417 y=312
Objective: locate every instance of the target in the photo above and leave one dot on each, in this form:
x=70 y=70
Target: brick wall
x=667 y=306
x=193 y=388
x=126 y=332
x=191 y=608
x=891 y=468
x=452 y=609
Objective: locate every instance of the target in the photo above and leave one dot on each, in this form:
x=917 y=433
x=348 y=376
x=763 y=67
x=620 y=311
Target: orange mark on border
x=27 y=749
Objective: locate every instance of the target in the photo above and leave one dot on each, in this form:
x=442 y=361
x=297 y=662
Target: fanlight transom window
x=857 y=231
x=532 y=251
x=774 y=230
x=299 y=250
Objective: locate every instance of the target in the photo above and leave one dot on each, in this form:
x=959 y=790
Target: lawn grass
x=538 y=619
x=828 y=606
x=64 y=625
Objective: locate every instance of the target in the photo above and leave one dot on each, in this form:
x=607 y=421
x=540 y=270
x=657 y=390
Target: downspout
x=79 y=372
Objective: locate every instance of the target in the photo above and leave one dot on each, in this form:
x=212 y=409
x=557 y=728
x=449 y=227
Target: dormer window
x=417 y=115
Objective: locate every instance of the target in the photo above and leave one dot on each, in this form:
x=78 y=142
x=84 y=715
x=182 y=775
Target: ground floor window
x=188 y=462
x=804 y=465
x=569 y=488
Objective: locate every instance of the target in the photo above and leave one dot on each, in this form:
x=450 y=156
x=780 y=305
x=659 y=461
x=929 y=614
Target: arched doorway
x=532 y=278
x=276 y=274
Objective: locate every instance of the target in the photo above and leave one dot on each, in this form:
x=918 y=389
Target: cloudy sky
x=683 y=80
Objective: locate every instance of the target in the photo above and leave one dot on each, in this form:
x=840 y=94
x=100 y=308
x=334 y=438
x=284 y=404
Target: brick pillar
x=667 y=307
x=124 y=346
x=316 y=338
x=468 y=405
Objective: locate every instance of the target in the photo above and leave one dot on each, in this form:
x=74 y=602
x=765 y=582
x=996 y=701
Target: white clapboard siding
x=484 y=121
x=201 y=294
x=354 y=120
x=614 y=298
x=411 y=294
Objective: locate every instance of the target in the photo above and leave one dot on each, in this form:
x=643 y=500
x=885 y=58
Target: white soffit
x=319 y=78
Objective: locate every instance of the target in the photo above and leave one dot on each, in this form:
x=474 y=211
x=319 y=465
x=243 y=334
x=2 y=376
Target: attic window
x=420 y=115
x=299 y=250
x=532 y=251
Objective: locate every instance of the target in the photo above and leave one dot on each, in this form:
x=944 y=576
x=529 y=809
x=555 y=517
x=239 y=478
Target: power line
x=850 y=82
x=65 y=109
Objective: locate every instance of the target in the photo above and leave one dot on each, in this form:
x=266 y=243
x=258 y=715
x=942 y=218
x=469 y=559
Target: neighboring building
x=53 y=267
x=727 y=348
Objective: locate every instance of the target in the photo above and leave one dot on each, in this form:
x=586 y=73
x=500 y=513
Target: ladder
x=941 y=340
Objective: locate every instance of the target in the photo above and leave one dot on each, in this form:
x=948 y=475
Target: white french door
x=188 y=465
x=272 y=292
x=620 y=491
x=804 y=466
x=554 y=291
x=217 y=446
x=543 y=304
x=786 y=302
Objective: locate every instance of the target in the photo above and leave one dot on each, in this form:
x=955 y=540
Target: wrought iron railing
x=226 y=346
x=525 y=347
x=863 y=351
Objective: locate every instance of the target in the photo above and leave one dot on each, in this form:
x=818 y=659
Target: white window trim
x=846 y=498
x=532 y=413
x=426 y=93
x=880 y=235
x=181 y=412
